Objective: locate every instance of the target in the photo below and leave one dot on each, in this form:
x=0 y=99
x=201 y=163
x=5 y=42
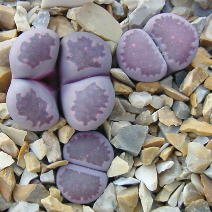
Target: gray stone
x=199 y=24
x=107 y=201
x=4 y=205
x=166 y=209
x=116 y=126
x=201 y=140
x=47 y=177
x=118 y=9
x=198 y=206
x=182 y=11
x=130 y=108
x=144 y=11
x=201 y=92
x=179 y=77
x=157 y=102
x=26 y=177
x=145 y=118
x=208 y=172
x=205 y=4
x=164 y=129
x=182 y=2
x=167 y=7
x=167 y=81
x=24 y=207
x=130 y=138
x=42 y=19
x=181 y=110
x=140 y=99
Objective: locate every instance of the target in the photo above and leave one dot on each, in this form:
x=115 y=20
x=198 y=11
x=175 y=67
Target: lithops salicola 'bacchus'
x=31 y=103
x=83 y=181
x=139 y=57
x=176 y=38
x=34 y=54
x=87 y=93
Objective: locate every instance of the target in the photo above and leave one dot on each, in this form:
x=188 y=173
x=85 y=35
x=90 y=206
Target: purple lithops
x=34 y=54
x=87 y=93
x=168 y=43
x=176 y=38
x=89 y=149
x=83 y=181
x=139 y=57
x=32 y=104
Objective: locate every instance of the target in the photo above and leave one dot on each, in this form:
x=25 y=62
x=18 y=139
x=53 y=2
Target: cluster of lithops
x=167 y=44
x=32 y=103
x=87 y=93
x=84 y=179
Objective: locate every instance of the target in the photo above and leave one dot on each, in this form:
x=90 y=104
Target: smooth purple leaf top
x=139 y=57
x=92 y=101
x=34 y=54
x=79 y=184
x=89 y=149
x=84 y=55
x=32 y=105
x=176 y=38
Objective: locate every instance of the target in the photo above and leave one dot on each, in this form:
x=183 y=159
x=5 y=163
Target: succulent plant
x=84 y=67
x=139 y=57
x=34 y=54
x=79 y=184
x=176 y=38
x=168 y=39
x=32 y=104
x=89 y=149
x=83 y=181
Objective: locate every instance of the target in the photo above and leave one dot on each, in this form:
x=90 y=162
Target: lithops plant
x=84 y=67
x=176 y=38
x=139 y=57
x=83 y=181
x=167 y=43
x=31 y=103
x=89 y=149
x=34 y=54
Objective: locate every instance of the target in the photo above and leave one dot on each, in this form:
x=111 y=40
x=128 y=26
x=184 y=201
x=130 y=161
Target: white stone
x=157 y=102
x=148 y=175
x=140 y=99
x=18 y=136
x=131 y=4
x=21 y=20
x=39 y=148
x=4 y=113
x=5 y=160
x=104 y=1
x=196 y=181
x=126 y=181
x=163 y=166
x=63 y=3
x=175 y=196
x=199 y=24
x=121 y=76
x=107 y=202
x=42 y=19
x=208 y=172
x=47 y=177
x=144 y=11
x=53 y=146
x=24 y=207
x=26 y=177
x=145 y=197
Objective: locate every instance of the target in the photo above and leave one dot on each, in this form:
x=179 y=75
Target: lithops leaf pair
x=31 y=103
x=167 y=44
x=87 y=93
x=84 y=180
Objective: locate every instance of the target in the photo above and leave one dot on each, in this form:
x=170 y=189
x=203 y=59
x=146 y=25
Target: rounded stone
x=89 y=149
x=139 y=57
x=88 y=103
x=79 y=184
x=32 y=105
x=176 y=38
x=34 y=54
x=84 y=55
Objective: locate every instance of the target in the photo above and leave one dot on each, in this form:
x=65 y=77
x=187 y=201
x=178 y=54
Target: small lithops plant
x=139 y=57
x=87 y=93
x=167 y=44
x=83 y=181
x=31 y=103
x=176 y=38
